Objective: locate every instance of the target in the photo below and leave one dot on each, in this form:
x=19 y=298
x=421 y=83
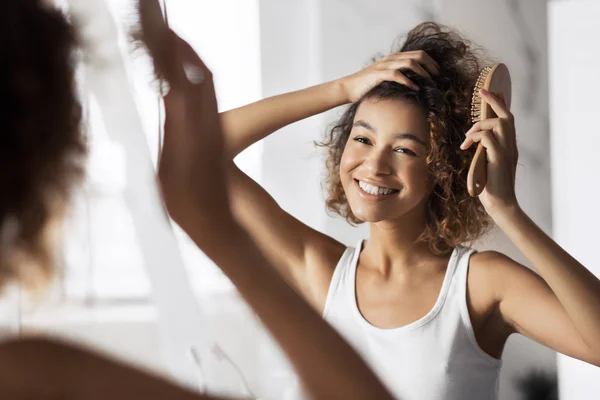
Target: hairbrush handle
x=495 y=79
x=477 y=176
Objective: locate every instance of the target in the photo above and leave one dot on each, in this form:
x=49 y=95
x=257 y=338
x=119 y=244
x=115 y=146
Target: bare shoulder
x=489 y=258
x=490 y=271
x=485 y=290
x=496 y=269
x=492 y=274
x=324 y=251
x=480 y=285
x=322 y=257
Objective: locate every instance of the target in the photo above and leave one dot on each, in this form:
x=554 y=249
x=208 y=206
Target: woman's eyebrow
x=409 y=136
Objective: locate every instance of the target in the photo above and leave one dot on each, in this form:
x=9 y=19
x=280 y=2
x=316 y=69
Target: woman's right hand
x=388 y=69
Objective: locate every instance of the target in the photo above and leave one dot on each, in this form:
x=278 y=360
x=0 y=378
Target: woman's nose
x=378 y=163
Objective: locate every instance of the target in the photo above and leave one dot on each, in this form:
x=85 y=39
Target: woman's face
x=383 y=169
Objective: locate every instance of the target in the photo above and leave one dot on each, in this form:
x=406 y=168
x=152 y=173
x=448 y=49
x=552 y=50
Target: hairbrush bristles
x=476 y=99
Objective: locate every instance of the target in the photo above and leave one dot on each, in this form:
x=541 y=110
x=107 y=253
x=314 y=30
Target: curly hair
x=41 y=140
x=453 y=217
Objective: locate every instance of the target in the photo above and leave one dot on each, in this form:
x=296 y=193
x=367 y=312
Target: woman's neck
x=393 y=246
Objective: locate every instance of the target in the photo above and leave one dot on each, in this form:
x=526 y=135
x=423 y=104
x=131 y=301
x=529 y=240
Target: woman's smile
x=372 y=192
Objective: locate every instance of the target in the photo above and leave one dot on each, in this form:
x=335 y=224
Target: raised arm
x=302 y=255
x=246 y=125
x=193 y=153
x=305 y=257
x=560 y=307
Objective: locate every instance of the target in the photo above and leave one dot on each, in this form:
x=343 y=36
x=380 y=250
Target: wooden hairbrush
x=495 y=79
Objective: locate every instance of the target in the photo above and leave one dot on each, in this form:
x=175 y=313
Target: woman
x=431 y=315
x=42 y=149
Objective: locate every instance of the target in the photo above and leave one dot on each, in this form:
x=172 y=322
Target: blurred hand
x=191 y=166
x=388 y=69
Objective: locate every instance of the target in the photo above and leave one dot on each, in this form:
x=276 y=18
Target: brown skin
x=558 y=307
x=374 y=155
x=49 y=369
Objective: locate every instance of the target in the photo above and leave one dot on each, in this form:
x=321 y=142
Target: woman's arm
x=193 y=153
x=41 y=368
x=304 y=256
x=248 y=124
x=562 y=308
x=576 y=292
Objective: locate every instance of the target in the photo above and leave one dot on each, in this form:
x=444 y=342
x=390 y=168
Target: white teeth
x=376 y=190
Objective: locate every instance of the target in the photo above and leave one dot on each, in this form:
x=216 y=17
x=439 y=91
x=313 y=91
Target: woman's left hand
x=498 y=137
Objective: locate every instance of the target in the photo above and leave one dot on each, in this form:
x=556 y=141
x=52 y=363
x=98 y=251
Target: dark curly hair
x=454 y=217
x=41 y=140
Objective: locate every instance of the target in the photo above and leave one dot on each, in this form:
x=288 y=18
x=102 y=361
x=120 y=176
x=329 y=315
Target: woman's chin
x=370 y=217
x=377 y=214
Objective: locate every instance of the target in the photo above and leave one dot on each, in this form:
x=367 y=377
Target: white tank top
x=433 y=358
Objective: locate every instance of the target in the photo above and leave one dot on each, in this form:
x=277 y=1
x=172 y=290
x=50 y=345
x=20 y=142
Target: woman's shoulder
x=490 y=271
x=321 y=264
x=492 y=262
x=325 y=253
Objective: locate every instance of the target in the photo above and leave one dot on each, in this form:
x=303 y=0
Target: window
x=102 y=255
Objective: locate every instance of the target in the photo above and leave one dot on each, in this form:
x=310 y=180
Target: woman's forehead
x=392 y=116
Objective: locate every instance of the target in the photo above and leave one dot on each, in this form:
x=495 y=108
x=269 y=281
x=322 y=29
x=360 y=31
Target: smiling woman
x=373 y=148
x=436 y=116
x=431 y=313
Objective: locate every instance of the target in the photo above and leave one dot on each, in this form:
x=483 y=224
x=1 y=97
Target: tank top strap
x=459 y=263
x=460 y=298
x=462 y=269
x=342 y=275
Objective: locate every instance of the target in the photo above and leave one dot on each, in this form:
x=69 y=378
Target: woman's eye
x=405 y=151
x=362 y=140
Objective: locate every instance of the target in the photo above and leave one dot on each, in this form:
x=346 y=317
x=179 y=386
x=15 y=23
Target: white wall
x=289 y=37
x=575 y=140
